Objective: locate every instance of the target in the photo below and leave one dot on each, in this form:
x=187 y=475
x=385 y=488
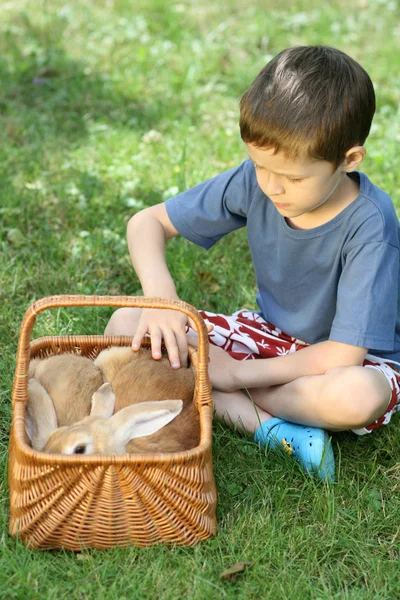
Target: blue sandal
x=310 y=446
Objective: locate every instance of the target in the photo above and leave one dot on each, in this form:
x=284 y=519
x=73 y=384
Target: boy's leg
x=238 y=411
x=309 y=446
x=343 y=398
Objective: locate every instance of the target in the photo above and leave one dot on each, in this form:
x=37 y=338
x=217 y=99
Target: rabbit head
x=105 y=433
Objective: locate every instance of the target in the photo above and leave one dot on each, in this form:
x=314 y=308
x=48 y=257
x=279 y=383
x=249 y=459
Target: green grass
x=82 y=85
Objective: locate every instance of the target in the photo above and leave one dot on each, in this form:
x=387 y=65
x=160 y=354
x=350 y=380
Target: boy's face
x=296 y=186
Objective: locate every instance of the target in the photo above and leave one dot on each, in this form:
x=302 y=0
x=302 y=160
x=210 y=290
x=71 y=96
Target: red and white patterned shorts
x=246 y=336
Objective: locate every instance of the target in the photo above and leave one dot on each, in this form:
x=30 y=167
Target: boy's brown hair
x=312 y=100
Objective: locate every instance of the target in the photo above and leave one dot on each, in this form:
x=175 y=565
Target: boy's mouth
x=281 y=205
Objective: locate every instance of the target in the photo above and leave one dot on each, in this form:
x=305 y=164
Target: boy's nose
x=271 y=186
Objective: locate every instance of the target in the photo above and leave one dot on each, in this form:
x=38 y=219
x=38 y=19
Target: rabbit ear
x=103 y=402
x=41 y=418
x=145 y=418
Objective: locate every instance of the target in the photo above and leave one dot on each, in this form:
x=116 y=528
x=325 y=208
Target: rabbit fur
x=64 y=389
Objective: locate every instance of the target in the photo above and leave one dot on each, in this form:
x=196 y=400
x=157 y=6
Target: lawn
x=109 y=106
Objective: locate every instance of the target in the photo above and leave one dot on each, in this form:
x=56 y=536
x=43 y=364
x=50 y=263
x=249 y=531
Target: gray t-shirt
x=338 y=281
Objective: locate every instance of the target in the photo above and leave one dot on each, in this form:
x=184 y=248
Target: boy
x=325 y=246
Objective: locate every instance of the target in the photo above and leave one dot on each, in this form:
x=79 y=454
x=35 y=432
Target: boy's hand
x=222 y=369
x=168 y=325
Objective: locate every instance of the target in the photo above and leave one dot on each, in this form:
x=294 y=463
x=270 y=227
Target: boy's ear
x=353 y=158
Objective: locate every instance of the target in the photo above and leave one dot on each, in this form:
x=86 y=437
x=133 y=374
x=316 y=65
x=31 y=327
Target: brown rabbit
x=60 y=391
x=135 y=378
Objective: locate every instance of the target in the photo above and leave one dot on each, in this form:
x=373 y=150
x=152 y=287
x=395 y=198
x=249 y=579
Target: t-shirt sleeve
x=210 y=210
x=367 y=299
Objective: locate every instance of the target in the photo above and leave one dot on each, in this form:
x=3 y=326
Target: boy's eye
x=257 y=167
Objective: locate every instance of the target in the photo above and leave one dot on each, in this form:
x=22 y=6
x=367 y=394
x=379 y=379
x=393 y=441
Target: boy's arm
x=147 y=232
x=228 y=374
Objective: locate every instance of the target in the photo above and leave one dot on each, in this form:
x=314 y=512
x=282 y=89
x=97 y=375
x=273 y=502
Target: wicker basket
x=103 y=501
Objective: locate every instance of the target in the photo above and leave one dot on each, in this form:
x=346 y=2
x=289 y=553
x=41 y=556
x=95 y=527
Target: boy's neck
x=343 y=196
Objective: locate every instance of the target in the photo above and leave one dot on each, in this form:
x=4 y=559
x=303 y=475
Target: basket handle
x=23 y=353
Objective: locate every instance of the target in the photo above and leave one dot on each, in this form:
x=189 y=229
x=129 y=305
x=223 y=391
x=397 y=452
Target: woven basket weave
x=103 y=501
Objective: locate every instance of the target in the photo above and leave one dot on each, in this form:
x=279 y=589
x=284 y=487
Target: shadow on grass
x=54 y=96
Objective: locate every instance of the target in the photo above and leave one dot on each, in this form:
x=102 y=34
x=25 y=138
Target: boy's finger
x=155 y=343
x=191 y=324
x=138 y=337
x=182 y=342
x=172 y=349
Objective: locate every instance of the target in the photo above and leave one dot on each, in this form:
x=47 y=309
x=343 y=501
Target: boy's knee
x=356 y=396
x=123 y=321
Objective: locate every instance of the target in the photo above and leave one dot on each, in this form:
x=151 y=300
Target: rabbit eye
x=80 y=449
